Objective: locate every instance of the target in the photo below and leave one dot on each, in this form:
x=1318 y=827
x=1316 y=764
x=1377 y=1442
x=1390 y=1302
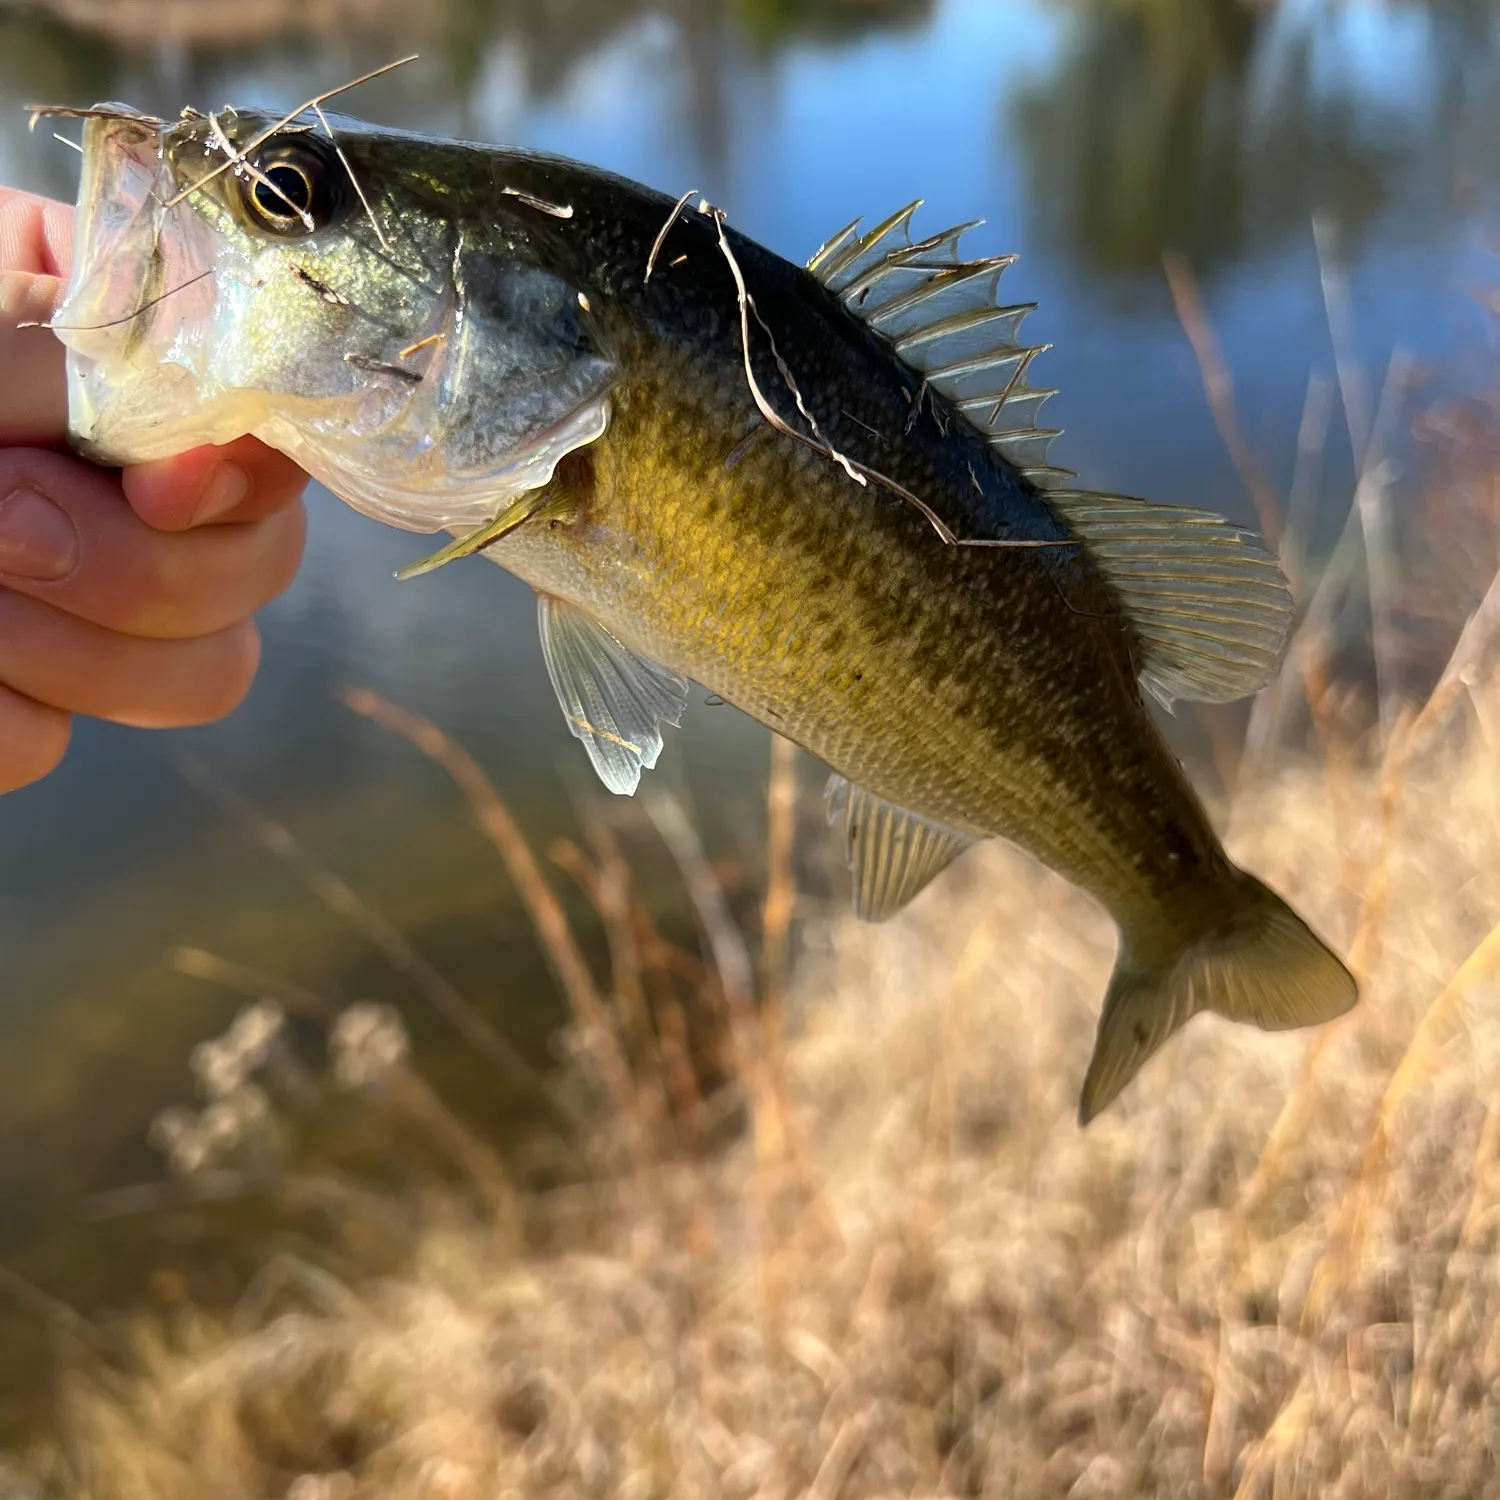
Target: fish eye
x=284 y=184
x=291 y=188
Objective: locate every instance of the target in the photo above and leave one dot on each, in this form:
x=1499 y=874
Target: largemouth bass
x=821 y=492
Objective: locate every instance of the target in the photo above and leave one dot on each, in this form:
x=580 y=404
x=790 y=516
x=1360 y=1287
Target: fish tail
x=1263 y=965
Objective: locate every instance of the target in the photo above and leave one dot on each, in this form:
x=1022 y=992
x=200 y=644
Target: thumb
x=36 y=246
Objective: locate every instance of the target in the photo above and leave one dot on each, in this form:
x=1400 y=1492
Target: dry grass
x=852 y=1243
x=1269 y=1271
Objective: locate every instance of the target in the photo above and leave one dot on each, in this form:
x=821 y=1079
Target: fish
x=821 y=491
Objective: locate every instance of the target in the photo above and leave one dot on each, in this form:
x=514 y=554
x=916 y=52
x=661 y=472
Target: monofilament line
x=181 y=286
x=749 y=309
x=338 y=151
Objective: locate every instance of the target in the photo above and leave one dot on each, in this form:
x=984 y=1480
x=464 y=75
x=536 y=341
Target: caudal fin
x=1263 y=965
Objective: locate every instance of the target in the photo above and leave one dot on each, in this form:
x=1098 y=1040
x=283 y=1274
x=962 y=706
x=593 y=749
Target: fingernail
x=224 y=491
x=37 y=538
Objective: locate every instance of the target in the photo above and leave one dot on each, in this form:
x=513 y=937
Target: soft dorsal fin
x=1208 y=604
x=893 y=854
x=614 y=699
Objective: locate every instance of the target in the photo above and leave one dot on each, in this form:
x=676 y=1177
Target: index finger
x=36 y=235
x=36 y=250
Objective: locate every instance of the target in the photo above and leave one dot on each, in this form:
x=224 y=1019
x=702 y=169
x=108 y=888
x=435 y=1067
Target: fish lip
x=139 y=302
x=122 y=156
x=121 y=166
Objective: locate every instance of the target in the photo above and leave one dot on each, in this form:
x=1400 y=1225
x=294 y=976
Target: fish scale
x=977 y=648
x=821 y=492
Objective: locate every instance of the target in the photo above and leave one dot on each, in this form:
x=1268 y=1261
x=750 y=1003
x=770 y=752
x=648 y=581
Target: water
x=1093 y=138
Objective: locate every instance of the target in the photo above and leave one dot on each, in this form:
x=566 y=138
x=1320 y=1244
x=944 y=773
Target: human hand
x=124 y=594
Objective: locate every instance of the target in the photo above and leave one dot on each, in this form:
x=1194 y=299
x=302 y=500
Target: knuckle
x=182 y=585
x=159 y=588
x=163 y=584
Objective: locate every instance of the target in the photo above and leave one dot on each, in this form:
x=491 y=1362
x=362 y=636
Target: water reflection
x=1208 y=127
x=182 y=47
x=1214 y=128
x=769 y=24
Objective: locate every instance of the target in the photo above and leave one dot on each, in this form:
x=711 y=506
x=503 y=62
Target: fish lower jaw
x=147 y=415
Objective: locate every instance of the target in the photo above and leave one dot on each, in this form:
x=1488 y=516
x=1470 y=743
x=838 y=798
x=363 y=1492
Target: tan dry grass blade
x=1346 y=1241
x=1218 y=386
x=957 y=1292
x=542 y=905
x=341 y=899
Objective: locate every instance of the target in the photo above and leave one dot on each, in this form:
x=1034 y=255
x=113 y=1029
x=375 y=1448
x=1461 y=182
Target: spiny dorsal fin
x=893 y=854
x=1208 y=604
x=940 y=314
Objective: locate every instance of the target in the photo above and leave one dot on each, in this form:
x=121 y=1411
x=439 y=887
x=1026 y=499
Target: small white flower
x=188 y=1153
x=255 y=1031
x=367 y=1041
x=169 y=1127
x=222 y=1065
x=217 y=1069
x=221 y=1124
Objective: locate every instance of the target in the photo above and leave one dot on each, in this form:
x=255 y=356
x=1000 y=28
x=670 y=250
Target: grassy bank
x=876 y=1256
x=810 y=1215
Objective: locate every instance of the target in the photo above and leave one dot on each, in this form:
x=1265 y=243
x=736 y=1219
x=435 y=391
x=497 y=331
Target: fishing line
x=128 y=318
x=665 y=230
x=354 y=181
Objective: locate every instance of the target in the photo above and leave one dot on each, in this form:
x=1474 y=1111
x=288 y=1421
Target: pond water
x=1091 y=137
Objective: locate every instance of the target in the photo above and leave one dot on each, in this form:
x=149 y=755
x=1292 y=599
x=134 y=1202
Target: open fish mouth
x=139 y=311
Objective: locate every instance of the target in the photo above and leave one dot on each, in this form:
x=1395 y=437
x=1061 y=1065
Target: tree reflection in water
x=1215 y=128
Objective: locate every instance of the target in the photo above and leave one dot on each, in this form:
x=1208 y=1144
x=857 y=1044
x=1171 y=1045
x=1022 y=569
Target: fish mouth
x=140 y=301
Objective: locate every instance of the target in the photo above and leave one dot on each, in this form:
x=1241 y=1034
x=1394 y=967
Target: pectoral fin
x=534 y=504
x=614 y=699
x=893 y=854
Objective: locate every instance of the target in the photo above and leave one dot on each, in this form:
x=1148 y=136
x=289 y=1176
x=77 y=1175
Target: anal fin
x=614 y=699
x=893 y=854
